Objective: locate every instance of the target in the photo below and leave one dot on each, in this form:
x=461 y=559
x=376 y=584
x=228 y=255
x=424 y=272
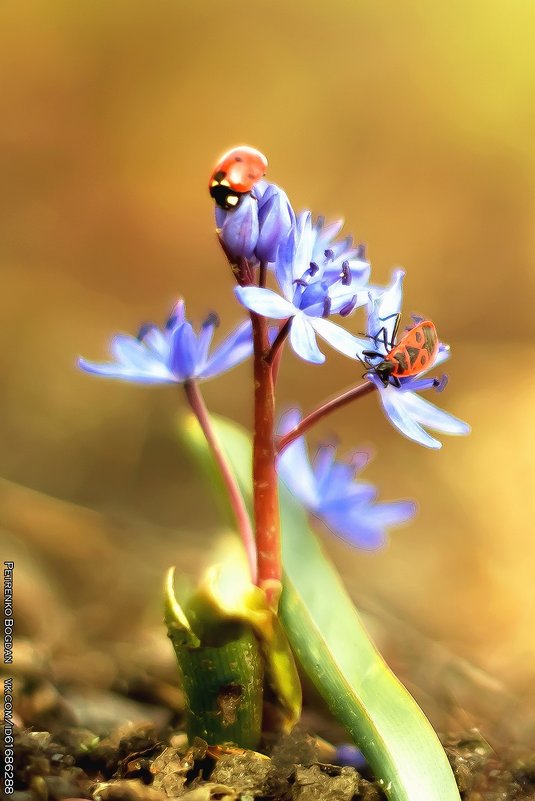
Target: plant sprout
x=242 y=629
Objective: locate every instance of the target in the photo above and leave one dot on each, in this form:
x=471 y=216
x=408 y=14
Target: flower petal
x=303 y=339
x=177 y=315
x=395 y=406
x=156 y=341
x=294 y=255
x=323 y=462
x=429 y=415
x=234 y=349
x=240 y=229
x=130 y=352
x=204 y=339
x=356 y=532
x=183 y=353
x=325 y=234
x=126 y=373
x=364 y=526
x=275 y=218
x=342 y=295
x=340 y=339
x=293 y=465
x=265 y=302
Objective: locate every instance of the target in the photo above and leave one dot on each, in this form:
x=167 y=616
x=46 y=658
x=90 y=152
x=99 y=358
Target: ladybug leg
x=395 y=330
x=395 y=381
x=383 y=333
x=366 y=364
x=373 y=354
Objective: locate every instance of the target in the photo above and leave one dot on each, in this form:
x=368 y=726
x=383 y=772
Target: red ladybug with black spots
x=235 y=174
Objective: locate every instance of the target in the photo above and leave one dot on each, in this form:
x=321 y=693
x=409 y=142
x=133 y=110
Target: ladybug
x=235 y=174
x=415 y=351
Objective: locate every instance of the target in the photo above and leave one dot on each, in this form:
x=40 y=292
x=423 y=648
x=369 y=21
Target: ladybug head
x=225 y=197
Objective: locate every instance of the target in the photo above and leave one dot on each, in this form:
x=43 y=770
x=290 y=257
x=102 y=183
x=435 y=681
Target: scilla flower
x=407 y=411
x=315 y=282
x=331 y=491
x=174 y=354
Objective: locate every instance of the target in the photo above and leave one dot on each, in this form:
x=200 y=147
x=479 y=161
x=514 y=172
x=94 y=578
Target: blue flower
x=406 y=410
x=174 y=354
x=317 y=277
x=330 y=490
x=256 y=228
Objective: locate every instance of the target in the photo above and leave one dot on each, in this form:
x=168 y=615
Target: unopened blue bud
x=275 y=217
x=239 y=232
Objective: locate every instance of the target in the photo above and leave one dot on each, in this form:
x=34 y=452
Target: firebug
x=415 y=351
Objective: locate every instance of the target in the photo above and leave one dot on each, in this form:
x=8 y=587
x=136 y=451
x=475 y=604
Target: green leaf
x=338 y=656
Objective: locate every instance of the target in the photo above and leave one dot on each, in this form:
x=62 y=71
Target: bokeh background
x=416 y=122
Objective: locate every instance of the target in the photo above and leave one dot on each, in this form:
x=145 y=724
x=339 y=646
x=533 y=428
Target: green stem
x=322 y=411
x=243 y=522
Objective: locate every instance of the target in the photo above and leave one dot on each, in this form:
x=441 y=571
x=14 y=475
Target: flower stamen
x=349 y=306
x=212 y=319
x=439 y=384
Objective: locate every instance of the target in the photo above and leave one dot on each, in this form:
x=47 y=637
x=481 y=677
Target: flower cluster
x=315 y=275
x=319 y=276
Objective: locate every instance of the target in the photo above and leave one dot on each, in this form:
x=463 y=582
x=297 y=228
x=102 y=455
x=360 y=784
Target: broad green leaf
x=337 y=654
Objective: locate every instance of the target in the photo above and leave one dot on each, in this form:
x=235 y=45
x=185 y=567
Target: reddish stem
x=266 y=500
x=322 y=411
x=243 y=522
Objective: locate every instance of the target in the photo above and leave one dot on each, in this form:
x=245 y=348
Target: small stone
x=245 y=772
x=170 y=770
x=127 y=790
x=211 y=792
x=316 y=784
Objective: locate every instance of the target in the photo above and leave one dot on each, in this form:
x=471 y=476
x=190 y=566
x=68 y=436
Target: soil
x=125 y=743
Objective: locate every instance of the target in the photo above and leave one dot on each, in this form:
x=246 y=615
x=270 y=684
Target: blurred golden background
x=416 y=122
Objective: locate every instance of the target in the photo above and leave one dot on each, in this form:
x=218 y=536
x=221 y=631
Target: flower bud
x=239 y=229
x=255 y=229
x=275 y=217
